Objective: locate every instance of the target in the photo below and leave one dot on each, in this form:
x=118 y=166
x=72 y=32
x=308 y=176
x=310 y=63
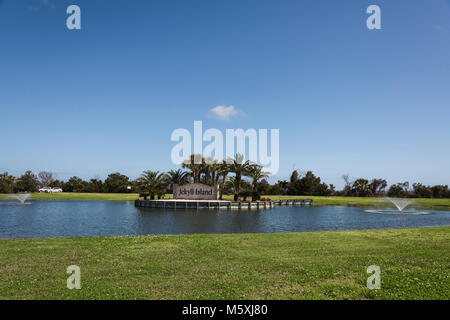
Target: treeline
x=378 y=187
x=311 y=185
x=233 y=177
x=29 y=182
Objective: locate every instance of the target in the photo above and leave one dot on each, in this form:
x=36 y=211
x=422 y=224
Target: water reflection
x=102 y=218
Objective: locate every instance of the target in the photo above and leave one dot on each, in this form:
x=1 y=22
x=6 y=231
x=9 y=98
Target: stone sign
x=195 y=191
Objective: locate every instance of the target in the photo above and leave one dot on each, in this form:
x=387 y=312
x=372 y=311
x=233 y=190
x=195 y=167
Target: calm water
x=105 y=218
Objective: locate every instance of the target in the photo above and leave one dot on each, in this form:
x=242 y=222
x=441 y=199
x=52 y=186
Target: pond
x=44 y=219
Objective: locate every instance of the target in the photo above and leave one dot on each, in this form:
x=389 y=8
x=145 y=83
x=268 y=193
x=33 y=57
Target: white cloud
x=224 y=112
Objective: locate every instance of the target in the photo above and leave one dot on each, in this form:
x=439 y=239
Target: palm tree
x=179 y=177
x=256 y=173
x=210 y=170
x=240 y=169
x=205 y=171
x=230 y=184
x=152 y=182
x=222 y=171
x=361 y=187
x=7 y=183
x=194 y=167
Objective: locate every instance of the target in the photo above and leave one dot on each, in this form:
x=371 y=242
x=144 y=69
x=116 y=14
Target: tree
x=94 y=186
x=361 y=188
x=294 y=176
x=421 y=191
x=210 y=170
x=399 y=190
x=45 y=178
x=7 y=183
x=347 y=184
x=246 y=190
x=439 y=191
x=309 y=185
x=230 y=185
x=179 y=177
x=255 y=172
x=279 y=188
x=27 y=182
x=222 y=171
x=263 y=187
x=57 y=184
x=194 y=167
x=215 y=172
x=378 y=186
x=151 y=183
x=332 y=189
x=239 y=168
x=74 y=184
x=117 y=183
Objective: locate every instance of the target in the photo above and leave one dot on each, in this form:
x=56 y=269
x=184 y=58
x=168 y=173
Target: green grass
x=439 y=204
x=414 y=264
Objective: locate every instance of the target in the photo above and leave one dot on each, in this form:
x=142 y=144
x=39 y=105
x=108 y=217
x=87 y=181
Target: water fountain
x=400 y=204
x=22 y=197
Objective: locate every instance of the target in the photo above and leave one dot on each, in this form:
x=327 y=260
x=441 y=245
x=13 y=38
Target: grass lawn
x=442 y=204
x=415 y=264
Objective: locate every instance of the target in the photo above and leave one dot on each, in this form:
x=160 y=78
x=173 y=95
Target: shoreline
x=420 y=203
x=166 y=235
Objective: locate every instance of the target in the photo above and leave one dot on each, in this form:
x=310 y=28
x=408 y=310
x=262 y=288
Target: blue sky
x=107 y=98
